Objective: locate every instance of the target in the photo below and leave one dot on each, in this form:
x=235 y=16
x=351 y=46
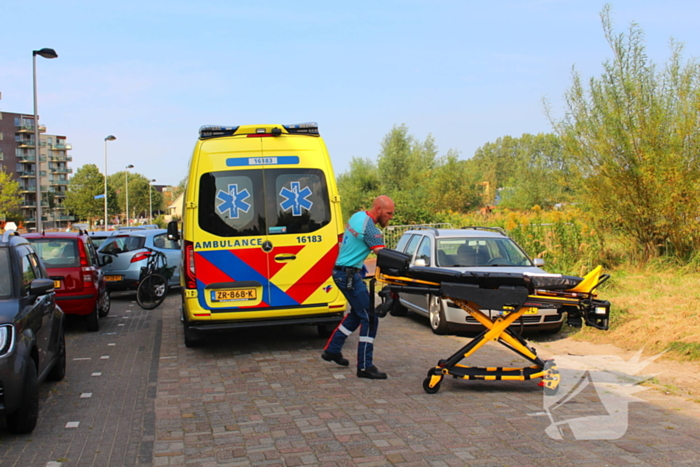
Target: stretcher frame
x=514 y=304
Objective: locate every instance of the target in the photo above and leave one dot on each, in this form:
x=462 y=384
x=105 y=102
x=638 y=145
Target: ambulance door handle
x=283 y=258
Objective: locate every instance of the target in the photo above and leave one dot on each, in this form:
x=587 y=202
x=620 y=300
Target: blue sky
x=152 y=72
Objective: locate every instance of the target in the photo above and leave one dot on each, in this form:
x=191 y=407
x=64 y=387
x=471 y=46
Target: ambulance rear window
x=239 y=203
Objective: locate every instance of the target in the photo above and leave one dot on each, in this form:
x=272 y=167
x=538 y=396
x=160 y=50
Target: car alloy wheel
x=438 y=323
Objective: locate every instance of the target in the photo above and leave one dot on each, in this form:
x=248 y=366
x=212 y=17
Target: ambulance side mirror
x=173 y=232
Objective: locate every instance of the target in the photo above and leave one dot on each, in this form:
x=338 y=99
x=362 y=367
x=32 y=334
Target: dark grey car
x=32 y=341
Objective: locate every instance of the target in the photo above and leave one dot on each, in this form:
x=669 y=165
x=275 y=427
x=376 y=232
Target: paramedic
x=360 y=237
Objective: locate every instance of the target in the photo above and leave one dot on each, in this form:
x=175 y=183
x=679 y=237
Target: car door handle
x=284 y=258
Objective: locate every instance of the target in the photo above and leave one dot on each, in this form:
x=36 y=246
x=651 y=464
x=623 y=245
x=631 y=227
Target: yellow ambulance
x=260 y=230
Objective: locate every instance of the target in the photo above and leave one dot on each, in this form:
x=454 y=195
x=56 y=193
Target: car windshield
x=122 y=244
x=5 y=274
x=486 y=252
x=57 y=252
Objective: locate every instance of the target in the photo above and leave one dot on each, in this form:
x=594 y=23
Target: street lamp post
x=150 y=202
x=130 y=166
x=46 y=53
x=108 y=138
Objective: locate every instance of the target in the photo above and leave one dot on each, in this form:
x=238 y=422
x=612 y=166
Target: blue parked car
x=129 y=250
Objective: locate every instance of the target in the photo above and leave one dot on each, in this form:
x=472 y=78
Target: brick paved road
x=264 y=398
x=109 y=390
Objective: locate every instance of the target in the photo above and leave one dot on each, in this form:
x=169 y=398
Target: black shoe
x=335 y=357
x=371 y=373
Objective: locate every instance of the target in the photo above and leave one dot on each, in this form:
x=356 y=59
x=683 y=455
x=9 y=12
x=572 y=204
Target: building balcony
x=27 y=174
x=62 y=170
x=60 y=158
x=29 y=143
x=60 y=147
x=31 y=204
x=29 y=128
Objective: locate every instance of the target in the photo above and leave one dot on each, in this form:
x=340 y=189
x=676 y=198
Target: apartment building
x=18 y=157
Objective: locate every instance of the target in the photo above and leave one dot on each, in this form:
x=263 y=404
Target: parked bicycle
x=153 y=281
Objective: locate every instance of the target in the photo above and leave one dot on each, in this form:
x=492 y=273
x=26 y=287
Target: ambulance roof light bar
x=216 y=131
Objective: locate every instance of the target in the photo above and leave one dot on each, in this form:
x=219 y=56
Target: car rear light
x=190 y=279
x=140 y=256
x=85 y=266
x=83 y=257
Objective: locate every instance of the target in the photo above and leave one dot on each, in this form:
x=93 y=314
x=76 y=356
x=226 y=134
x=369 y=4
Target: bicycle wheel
x=152 y=291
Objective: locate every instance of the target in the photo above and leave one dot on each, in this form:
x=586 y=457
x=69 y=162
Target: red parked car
x=72 y=262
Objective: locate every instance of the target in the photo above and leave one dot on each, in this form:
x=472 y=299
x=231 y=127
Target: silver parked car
x=129 y=250
x=481 y=249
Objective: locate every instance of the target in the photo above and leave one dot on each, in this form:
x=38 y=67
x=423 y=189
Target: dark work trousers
x=359 y=315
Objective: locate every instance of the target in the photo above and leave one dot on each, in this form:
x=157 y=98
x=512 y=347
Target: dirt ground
x=672 y=377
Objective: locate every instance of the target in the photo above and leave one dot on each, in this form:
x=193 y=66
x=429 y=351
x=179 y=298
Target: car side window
x=162 y=241
x=425 y=250
x=403 y=241
x=28 y=273
x=413 y=244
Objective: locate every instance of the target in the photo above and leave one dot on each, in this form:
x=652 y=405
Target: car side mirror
x=420 y=263
x=539 y=262
x=173 y=233
x=40 y=287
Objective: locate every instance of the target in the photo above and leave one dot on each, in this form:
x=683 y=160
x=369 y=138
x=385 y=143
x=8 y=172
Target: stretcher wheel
x=428 y=389
x=552 y=378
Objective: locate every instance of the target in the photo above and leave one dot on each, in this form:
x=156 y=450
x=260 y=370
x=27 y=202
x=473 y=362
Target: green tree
x=358 y=186
x=80 y=200
x=10 y=199
x=138 y=194
x=528 y=170
x=452 y=185
x=633 y=142
x=405 y=165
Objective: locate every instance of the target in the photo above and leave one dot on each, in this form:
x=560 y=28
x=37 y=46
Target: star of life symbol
x=295 y=199
x=233 y=201
x=598 y=390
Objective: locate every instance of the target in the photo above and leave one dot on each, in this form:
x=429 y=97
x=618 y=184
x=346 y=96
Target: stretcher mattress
x=395 y=263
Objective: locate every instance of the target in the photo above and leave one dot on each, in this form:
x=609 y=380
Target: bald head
x=382 y=210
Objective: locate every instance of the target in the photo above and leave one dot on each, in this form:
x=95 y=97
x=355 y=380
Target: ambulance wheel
x=428 y=389
x=324 y=330
x=192 y=337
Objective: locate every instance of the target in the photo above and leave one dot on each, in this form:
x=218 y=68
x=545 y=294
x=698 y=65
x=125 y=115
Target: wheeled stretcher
x=512 y=294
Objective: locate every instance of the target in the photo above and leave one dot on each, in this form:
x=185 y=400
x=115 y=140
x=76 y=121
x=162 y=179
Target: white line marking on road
x=120 y=324
x=96 y=374
x=86 y=395
x=338 y=376
x=111 y=344
x=72 y=424
x=81 y=358
x=171 y=356
x=54 y=464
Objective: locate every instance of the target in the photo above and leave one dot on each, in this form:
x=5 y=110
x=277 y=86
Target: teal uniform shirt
x=360 y=237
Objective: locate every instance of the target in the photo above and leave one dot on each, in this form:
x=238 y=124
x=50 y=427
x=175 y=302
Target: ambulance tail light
x=190 y=278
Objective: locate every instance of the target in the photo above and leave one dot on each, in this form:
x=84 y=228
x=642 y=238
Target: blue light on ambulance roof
x=213 y=131
x=310 y=128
